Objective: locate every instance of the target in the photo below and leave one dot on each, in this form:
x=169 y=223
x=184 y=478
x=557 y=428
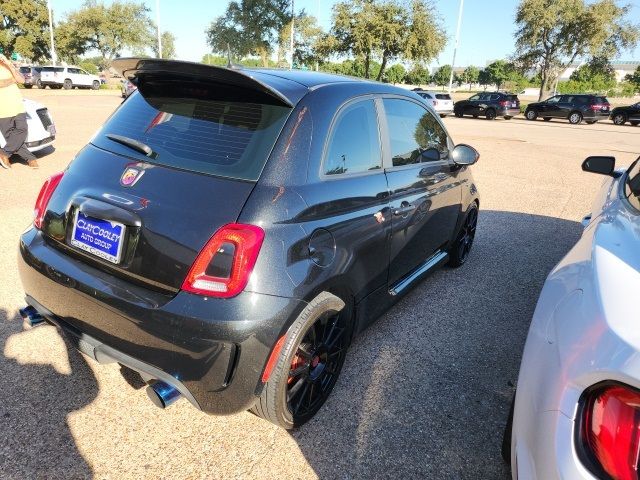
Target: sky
x=486 y=31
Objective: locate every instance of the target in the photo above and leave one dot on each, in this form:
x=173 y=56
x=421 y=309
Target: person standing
x=13 y=118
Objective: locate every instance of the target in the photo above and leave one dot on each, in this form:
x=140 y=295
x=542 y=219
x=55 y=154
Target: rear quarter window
x=193 y=128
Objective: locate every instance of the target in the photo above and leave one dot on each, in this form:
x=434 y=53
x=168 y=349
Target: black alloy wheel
x=461 y=248
x=309 y=363
x=315 y=365
x=490 y=114
x=531 y=114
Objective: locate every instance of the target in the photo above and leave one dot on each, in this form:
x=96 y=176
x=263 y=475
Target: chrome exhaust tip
x=31 y=315
x=162 y=394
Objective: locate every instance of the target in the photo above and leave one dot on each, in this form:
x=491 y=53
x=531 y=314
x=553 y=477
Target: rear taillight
x=610 y=431
x=43 y=198
x=595 y=107
x=505 y=103
x=223 y=267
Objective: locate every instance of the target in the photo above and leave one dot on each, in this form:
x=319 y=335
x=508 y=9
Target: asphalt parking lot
x=424 y=392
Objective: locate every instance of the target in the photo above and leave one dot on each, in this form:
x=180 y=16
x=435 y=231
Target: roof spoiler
x=134 y=67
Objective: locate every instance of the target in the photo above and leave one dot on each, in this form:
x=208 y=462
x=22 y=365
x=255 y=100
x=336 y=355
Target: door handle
x=404 y=209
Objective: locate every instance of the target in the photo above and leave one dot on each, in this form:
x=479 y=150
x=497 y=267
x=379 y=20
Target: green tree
x=470 y=75
x=554 y=33
x=249 y=27
x=168 y=46
x=89 y=67
x=418 y=75
x=110 y=29
x=218 y=60
x=395 y=74
x=484 y=78
x=634 y=79
x=597 y=75
x=442 y=75
x=384 y=29
x=498 y=72
x=307 y=35
x=24 y=28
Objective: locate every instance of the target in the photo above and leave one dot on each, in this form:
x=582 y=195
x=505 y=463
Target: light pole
x=293 y=14
x=455 y=45
x=158 y=25
x=54 y=57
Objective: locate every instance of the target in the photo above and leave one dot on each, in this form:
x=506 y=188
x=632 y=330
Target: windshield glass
x=197 y=129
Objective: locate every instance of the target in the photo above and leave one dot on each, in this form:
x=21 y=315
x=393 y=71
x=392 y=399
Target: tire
x=443 y=115
x=298 y=355
x=508 y=117
x=490 y=114
x=591 y=122
x=95 y=85
x=619 y=119
x=547 y=119
x=68 y=84
x=461 y=247
x=458 y=114
x=635 y=124
x=506 y=436
x=475 y=116
x=531 y=114
x=39 y=83
x=28 y=87
x=575 y=118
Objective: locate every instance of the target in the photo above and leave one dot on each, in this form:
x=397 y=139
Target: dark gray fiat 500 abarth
x=227 y=232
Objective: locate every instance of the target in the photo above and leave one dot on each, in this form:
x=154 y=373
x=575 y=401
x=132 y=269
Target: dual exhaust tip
x=160 y=393
x=31 y=315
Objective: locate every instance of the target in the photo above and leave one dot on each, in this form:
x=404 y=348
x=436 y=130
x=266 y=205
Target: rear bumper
x=212 y=350
x=37 y=145
x=509 y=112
x=590 y=115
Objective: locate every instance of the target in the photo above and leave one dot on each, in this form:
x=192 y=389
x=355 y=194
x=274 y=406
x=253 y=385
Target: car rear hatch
x=444 y=101
x=510 y=102
x=51 y=74
x=170 y=167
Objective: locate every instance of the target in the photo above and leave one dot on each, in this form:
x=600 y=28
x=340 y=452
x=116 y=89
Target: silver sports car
x=577 y=407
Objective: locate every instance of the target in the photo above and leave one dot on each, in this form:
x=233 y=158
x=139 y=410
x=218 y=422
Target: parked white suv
x=67 y=77
x=441 y=102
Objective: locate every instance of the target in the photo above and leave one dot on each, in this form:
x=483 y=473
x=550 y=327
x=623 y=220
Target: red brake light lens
x=43 y=198
x=610 y=430
x=505 y=103
x=245 y=242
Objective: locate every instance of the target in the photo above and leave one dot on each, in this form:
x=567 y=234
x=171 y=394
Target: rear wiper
x=133 y=144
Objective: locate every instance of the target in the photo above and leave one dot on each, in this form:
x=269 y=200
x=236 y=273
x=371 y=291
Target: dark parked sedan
x=575 y=108
x=622 y=115
x=228 y=232
x=489 y=105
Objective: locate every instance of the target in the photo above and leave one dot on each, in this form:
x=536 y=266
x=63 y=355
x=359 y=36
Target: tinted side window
x=354 y=144
x=414 y=133
x=632 y=185
x=494 y=97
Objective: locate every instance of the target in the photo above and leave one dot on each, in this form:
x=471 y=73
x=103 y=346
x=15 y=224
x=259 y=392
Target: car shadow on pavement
x=35 y=400
x=426 y=390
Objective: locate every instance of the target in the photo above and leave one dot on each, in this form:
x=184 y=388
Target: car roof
x=286 y=86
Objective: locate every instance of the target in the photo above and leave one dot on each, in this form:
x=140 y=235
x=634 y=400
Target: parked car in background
x=31 y=76
x=441 y=102
x=574 y=108
x=41 y=129
x=68 y=78
x=489 y=105
x=127 y=88
x=577 y=404
x=622 y=115
x=317 y=229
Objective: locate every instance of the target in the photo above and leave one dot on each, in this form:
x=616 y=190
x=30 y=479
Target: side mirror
x=463 y=155
x=602 y=165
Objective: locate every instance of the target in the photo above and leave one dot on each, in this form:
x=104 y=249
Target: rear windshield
x=511 y=98
x=53 y=69
x=25 y=70
x=443 y=96
x=194 y=129
x=600 y=100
